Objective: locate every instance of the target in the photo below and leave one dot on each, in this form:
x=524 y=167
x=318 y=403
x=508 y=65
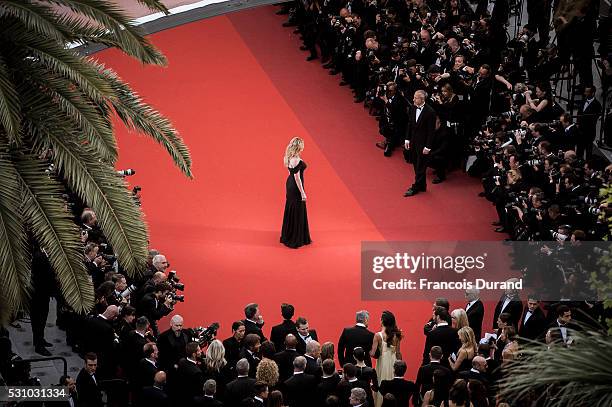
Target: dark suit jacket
x=475 y=316
x=144 y=374
x=171 y=348
x=421 y=133
x=344 y=390
x=313 y=368
x=469 y=374
x=402 y=389
x=253 y=361
x=424 y=380
x=237 y=390
x=189 y=380
x=153 y=397
x=280 y=332
x=351 y=338
x=88 y=391
x=514 y=308
x=132 y=351
x=253 y=328
x=587 y=119
x=154 y=311
x=327 y=387
x=444 y=336
x=232 y=351
x=202 y=401
x=535 y=326
x=284 y=360
x=98 y=336
x=301 y=345
x=300 y=390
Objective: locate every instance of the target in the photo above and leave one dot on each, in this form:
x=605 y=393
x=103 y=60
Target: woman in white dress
x=386 y=349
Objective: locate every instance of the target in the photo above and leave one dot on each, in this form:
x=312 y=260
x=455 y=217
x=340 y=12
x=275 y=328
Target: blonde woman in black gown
x=295 y=231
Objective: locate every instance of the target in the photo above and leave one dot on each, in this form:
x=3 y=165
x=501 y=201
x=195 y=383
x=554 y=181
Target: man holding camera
x=157 y=305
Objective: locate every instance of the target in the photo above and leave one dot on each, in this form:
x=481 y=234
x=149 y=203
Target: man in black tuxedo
x=533 y=321
x=73 y=397
x=87 y=383
x=560 y=331
x=253 y=321
x=424 y=380
x=155 y=396
x=355 y=336
x=431 y=324
x=93 y=262
x=250 y=352
x=348 y=383
x=305 y=335
x=359 y=398
x=284 y=359
x=189 y=378
x=312 y=355
x=132 y=348
x=443 y=335
x=475 y=311
x=171 y=344
x=477 y=372
x=329 y=382
x=570 y=136
x=240 y=388
x=588 y=114
x=208 y=399
x=43 y=286
x=300 y=388
x=509 y=303
x=144 y=373
x=419 y=140
x=233 y=344
x=439 y=156
x=99 y=338
x=156 y=305
x=393 y=121
x=279 y=332
x=402 y=389
x=260 y=397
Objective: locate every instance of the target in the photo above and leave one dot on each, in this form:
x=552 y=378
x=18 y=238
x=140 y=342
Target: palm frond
x=140 y=116
x=36 y=17
x=577 y=376
x=9 y=103
x=15 y=275
x=110 y=16
x=155 y=5
x=54 y=230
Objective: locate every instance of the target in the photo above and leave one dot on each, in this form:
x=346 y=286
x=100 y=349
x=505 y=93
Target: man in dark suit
x=155 y=396
x=171 y=344
x=189 y=377
x=132 y=348
x=73 y=397
x=285 y=358
x=348 y=383
x=419 y=140
x=92 y=261
x=533 y=321
x=588 y=114
x=253 y=321
x=87 y=383
x=560 y=331
x=240 y=388
x=570 y=137
x=402 y=389
x=440 y=151
x=280 y=331
x=477 y=372
x=156 y=305
x=424 y=380
x=443 y=335
x=312 y=355
x=208 y=399
x=250 y=352
x=300 y=388
x=259 y=398
x=509 y=303
x=43 y=286
x=233 y=344
x=393 y=121
x=144 y=373
x=99 y=338
x=329 y=382
x=475 y=311
x=431 y=324
x=355 y=336
x=305 y=334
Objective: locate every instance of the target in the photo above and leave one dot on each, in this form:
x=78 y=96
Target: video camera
x=203 y=335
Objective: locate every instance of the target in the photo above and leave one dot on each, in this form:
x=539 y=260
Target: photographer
x=94 y=263
x=393 y=122
x=157 y=305
x=171 y=344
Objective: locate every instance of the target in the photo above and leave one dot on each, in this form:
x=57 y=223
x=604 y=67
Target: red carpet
x=238 y=89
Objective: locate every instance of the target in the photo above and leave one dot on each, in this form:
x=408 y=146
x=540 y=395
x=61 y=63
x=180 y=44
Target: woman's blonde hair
x=215 y=356
x=267 y=372
x=468 y=340
x=294 y=148
x=460 y=316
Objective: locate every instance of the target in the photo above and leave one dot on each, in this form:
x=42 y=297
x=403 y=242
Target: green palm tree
x=56 y=106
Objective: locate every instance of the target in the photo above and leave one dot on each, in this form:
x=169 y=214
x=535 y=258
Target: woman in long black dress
x=295 y=231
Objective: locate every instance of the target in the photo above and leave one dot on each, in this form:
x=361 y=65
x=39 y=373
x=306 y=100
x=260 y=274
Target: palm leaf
x=9 y=103
x=155 y=5
x=55 y=231
x=14 y=266
x=35 y=17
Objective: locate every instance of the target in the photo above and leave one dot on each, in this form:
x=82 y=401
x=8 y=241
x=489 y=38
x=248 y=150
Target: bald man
x=156 y=395
x=285 y=359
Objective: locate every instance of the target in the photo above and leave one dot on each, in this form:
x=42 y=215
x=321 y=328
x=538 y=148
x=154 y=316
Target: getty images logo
x=410 y=263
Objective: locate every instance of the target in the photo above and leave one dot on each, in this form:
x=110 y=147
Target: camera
x=558 y=236
x=173 y=279
x=126 y=173
x=204 y=335
x=176 y=297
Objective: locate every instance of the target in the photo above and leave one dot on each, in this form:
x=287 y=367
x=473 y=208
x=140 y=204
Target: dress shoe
x=303 y=48
x=500 y=229
x=388 y=150
x=411 y=192
x=41 y=350
x=343 y=83
x=437 y=180
x=311 y=58
x=381 y=144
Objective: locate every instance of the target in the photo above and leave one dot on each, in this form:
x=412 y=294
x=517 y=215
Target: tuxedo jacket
x=514 y=308
x=587 y=118
x=301 y=344
x=171 y=348
x=313 y=368
x=444 y=336
x=87 y=389
x=326 y=387
x=132 y=350
x=420 y=132
x=202 y=401
x=153 y=397
x=534 y=327
x=402 y=389
x=251 y=402
x=252 y=359
x=424 y=380
x=344 y=390
x=237 y=390
x=284 y=360
x=98 y=337
x=189 y=380
x=470 y=375
x=280 y=332
x=475 y=316
x=144 y=374
x=352 y=337
x=300 y=390
x=253 y=328
x=232 y=351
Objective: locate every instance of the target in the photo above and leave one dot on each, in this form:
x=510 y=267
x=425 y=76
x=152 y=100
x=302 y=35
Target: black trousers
x=38 y=317
x=420 y=162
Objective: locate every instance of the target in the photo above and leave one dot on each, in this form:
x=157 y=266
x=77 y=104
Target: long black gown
x=295 y=231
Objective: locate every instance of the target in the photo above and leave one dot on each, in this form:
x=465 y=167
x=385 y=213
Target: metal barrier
x=44 y=359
